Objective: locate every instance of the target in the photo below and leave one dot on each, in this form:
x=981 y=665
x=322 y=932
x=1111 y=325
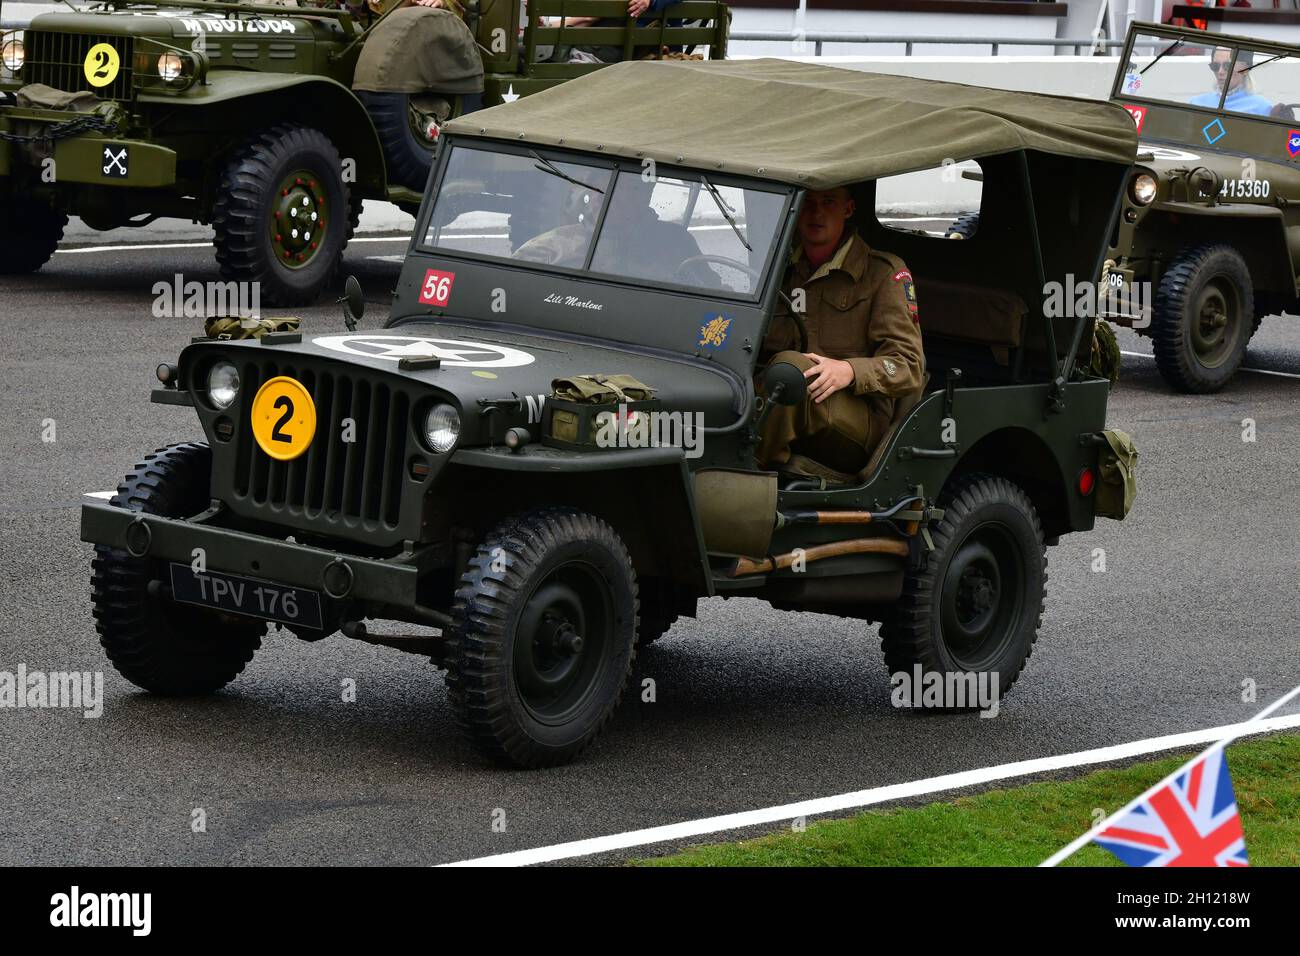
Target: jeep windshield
x=606 y=220
x=1185 y=72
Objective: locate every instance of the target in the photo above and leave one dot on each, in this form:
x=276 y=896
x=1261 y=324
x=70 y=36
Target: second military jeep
x=1211 y=219
x=546 y=455
x=271 y=122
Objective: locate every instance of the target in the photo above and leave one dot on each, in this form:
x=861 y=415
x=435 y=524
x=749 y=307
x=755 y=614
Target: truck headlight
x=13 y=54
x=170 y=66
x=1143 y=189
x=442 y=428
x=223 y=384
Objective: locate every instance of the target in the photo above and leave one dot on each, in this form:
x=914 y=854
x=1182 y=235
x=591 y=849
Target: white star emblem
x=451 y=352
x=509 y=96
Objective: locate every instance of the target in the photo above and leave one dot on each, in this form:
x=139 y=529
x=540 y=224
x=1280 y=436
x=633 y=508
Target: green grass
x=1022 y=826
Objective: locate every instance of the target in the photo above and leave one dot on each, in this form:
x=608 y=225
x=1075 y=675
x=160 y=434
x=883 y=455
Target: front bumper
x=97 y=158
x=389 y=582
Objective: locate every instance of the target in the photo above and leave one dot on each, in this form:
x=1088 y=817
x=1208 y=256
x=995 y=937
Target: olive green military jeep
x=271 y=122
x=1211 y=219
x=547 y=452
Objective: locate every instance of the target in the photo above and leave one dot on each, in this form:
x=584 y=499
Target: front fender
x=645 y=494
x=238 y=100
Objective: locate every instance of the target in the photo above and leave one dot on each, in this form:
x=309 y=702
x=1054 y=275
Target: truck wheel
x=158 y=644
x=29 y=233
x=1204 y=313
x=543 y=642
x=282 y=214
x=403 y=133
x=977 y=602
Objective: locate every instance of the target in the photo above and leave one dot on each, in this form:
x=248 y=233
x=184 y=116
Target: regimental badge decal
x=116 y=161
x=713 y=333
x=909 y=291
x=1293 y=142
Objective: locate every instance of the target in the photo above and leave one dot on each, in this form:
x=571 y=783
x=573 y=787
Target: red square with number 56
x=436 y=289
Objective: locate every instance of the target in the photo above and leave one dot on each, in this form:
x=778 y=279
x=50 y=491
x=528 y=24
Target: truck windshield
x=682 y=230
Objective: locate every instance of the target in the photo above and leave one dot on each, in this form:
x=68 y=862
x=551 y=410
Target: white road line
x=876 y=795
x=1257 y=371
x=131 y=246
x=100 y=494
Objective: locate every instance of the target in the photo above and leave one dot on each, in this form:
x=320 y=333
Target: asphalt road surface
x=753 y=707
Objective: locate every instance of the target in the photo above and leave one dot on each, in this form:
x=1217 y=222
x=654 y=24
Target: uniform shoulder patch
x=909 y=292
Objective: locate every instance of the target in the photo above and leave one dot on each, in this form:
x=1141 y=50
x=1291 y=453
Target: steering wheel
x=721 y=260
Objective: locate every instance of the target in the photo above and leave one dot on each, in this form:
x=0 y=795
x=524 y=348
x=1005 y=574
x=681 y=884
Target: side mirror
x=354 y=303
x=784 y=383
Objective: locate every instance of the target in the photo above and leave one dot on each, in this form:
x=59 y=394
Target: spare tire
x=407 y=133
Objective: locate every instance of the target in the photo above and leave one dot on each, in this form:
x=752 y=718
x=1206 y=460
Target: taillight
x=1087 y=482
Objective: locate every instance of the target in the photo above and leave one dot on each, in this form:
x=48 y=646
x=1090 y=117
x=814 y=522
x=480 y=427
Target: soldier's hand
x=637 y=7
x=428 y=3
x=827 y=376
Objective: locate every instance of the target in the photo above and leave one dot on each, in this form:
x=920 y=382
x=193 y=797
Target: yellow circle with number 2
x=284 y=418
x=101 y=64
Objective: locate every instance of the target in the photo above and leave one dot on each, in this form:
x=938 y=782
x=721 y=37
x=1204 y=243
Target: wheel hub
x=1215 y=324
x=979 y=605
x=560 y=640
x=298 y=219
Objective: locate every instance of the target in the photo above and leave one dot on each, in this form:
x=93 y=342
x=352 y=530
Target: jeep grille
x=335 y=485
x=58 y=60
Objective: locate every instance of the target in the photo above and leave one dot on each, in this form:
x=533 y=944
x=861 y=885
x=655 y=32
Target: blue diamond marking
x=1214 y=132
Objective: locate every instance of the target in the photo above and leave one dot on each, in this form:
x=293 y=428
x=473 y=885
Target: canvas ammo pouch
x=233 y=327
x=574 y=409
x=1117 y=470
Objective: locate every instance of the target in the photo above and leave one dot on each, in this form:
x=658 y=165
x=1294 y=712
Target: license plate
x=237 y=594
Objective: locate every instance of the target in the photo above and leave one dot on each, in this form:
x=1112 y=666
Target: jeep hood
x=480 y=363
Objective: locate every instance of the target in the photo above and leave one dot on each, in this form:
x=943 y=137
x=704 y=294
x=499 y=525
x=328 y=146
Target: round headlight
x=442 y=427
x=13 y=54
x=1143 y=189
x=223 y=383
x=170 y=66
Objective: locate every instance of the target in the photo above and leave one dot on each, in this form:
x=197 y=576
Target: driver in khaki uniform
x=864 y=343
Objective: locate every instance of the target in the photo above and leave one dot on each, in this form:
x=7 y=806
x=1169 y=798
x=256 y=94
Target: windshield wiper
x=725 y=210
x=1262 y=62
x=546 y=166
x=1163 y=53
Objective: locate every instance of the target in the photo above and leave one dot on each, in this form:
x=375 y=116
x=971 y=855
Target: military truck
x=1210 y=226
x=547 y=453
x=273 y=123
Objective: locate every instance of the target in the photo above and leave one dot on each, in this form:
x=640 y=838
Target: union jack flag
x=1191 y=821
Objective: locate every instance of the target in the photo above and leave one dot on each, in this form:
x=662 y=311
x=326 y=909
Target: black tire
x=259 y=189
x=964 y=225
x=535 y=580
x=989 y=533
x=408 y=155
x=155 y=643
x=1204 y=314
x=30 y=231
